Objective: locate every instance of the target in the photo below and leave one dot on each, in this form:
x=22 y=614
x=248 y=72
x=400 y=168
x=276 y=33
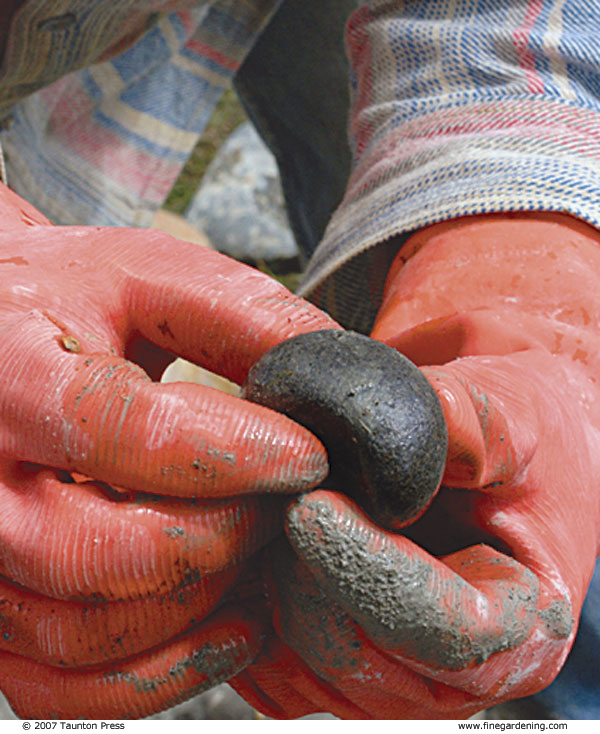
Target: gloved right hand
x=108 y=582
x=476 y=602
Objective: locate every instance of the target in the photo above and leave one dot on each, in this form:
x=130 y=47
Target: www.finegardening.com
x=508 y=725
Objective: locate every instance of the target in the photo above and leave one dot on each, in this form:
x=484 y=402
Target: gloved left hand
x=477 y=602
x=109 y=583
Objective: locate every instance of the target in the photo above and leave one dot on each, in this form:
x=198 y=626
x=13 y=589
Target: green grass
x=228 y=114
x=291 y=280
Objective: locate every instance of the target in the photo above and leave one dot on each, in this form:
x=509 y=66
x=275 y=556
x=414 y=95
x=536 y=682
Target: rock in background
x=5 y=710
x=239 y=205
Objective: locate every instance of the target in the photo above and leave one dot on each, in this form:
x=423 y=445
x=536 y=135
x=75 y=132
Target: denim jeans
x=294 y=85
x=299 y=104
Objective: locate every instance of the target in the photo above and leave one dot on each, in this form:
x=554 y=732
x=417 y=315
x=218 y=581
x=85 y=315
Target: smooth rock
x=375 y=412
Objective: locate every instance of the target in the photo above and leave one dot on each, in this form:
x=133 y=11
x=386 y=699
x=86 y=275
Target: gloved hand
x=105 y=575
x=477 y=602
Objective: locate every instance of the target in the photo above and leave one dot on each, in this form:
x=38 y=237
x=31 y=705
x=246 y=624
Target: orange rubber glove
x=477 y=602
x=113 y=578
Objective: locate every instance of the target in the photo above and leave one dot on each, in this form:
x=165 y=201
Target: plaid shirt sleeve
x=107 y=99
x=460 y=108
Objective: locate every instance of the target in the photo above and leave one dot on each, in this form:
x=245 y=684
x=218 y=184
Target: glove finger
x=139 y=686
x=81 y=541
x=442 y=617
x=343 y=660
x=280 y=684
x=487 y=402
x=112 y=285
x=78 y=634
x=200 y=304
x=492 y=425
x=102 y=417
x=16 y=213
x=283 y=703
